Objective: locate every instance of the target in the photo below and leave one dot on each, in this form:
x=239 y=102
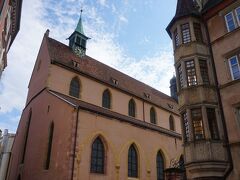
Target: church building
x=86 y=120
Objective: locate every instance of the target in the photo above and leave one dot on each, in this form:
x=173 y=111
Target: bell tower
x=78 y=40
x=203 y=136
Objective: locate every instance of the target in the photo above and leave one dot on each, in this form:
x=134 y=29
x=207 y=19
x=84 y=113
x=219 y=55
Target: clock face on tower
x=79 y=51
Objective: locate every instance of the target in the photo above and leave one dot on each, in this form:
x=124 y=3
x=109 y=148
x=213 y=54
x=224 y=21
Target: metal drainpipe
x=227 y=173
x=75 y=143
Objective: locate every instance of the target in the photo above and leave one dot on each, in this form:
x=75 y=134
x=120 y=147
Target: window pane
x=230 y=21
x=234 y=67
x=180 y=74
x=97 y=157
x=74 y=88
x=238 y=115
x=238 y=14
x=131 y=108
x=186 y=36
x=198 y=32
x=176 y=37
x=212 y=121
x=106 y=99
x=204 y=71
x=191 y=73
x=186 y=126
x=171 y=123
x=160 y=166
x=152 y=116
x=197 y=124
x=132 y=162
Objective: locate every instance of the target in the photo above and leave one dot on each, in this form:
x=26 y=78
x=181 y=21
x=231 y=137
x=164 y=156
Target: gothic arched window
x=160 y=166
x=74 y=87
x=97 y=156
x=49 y=147
x=106 y=99
x=171 y=123
x=153 y=116
x=132 y=162
x=132 y=108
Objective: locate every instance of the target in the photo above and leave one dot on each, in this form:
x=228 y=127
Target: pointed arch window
x=97 y=156
x=49 y=150
x=160 y=166
x=153 y=116
x=171 y=123
x=74 y=87
x=132 y=108
x=106 y=99
x=132 y=162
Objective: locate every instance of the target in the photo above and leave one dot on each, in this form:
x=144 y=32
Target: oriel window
x=191 y=73
x=186 y=127
x=176 y=38
x=204 y=71
x=74 y=87
x=132 y=162
x=186 y=36
x=180 y=75
x=97 y=156
x=198 y=32
x=160 y=166
x=153 y=115
x=106 y=99
x=212 y=121
x=132 y=108
x=197 y=124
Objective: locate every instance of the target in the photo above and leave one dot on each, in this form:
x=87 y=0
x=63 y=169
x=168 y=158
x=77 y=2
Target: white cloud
x=123 y=19
x=155 y=70
x=103 y=2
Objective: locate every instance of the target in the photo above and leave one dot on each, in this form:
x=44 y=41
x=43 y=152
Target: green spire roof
x=79 y=27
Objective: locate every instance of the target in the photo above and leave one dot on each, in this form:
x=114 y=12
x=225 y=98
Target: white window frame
x=234 y=21
x=238 y=18
x=230 y=65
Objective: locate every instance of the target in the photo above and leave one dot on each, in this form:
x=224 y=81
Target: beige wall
x=225 y=45
x=117 y=137
x=91 y=92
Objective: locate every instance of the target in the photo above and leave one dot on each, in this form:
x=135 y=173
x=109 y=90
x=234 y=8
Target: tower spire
x=78 y=40
x=79 y=27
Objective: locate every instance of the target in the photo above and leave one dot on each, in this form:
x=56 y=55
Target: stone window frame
x=186 y=126
x=191 y=73
x=160 y=165
x=132 y=108
x=153 y=115
x=204 y=71
x=235 y=15
x=133 y=173
x=94 y=163
x=186 y=33
x=197 y=27
x=196 y=128
x=230 y=66
x=172 y=123
x=74 y=89
x=176 y=38
x=106 y=99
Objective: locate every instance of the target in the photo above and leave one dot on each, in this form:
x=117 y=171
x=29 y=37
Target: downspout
x=75 y=142
x=227 y=173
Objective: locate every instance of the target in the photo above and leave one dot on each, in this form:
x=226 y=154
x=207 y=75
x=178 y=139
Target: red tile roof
x=62 y=55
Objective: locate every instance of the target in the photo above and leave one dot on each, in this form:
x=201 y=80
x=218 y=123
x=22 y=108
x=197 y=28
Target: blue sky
x=128 y=35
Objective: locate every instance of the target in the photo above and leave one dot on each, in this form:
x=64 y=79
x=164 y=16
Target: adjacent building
x=86 y=120
x=206 y=45
x=6 y=142
x=10 y=14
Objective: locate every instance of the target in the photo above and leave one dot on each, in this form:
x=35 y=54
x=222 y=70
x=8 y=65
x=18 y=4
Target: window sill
x=232 y=82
